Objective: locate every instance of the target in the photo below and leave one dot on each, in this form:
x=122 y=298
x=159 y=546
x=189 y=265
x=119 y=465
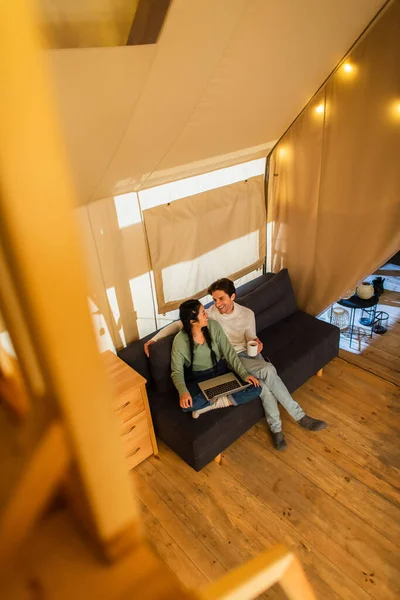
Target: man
x=239 y=325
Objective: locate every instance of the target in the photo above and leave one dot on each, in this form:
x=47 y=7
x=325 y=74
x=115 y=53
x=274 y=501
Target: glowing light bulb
x=347 y=67
x=320 y=109
x=395 y=111
x=285 y=152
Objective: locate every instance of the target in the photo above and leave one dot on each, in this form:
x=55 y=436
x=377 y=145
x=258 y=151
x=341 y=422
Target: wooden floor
x=381 y=353
x=332 y=496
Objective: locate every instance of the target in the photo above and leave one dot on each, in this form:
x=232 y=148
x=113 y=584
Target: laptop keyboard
x=223 y=388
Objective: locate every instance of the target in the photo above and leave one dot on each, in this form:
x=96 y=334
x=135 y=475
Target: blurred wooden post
x=43 y=260
x=13 y=392
x=294 y=582
x=276 y=566
x=38 y=480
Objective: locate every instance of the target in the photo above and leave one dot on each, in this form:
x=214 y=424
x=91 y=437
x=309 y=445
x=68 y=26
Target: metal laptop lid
x=221 y=386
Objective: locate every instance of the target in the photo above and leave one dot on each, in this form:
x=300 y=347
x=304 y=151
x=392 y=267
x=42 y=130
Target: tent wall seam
x=321 y=163
x=206 y=85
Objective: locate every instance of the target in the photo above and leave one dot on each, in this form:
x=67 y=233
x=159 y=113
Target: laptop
x=221 y=386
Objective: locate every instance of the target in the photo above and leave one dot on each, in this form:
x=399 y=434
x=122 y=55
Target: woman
x=197 y=353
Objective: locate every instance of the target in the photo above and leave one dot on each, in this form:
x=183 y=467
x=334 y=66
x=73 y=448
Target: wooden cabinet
x=132 y=407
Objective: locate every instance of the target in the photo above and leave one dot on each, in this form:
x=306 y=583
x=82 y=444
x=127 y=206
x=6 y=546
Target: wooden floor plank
x=332 y=496
x=372 y=450
x=185 y=496
x=370 y=363
x=258 y=521
x=170 y=552
x=190 y=544
x=341 y=459
x=370 y=427
x=363 y=412
x=379 y=405
x=361 y=380
x=333 y=530
x=213 y=511
x=353 y=406
x=380 y=513
x=220 y=488
x=196 y=521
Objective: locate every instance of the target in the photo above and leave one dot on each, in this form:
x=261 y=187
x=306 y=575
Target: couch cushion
x=135 y=357
x=272 y=301
x=160 y=365
x=298 y=346
x=160 y=400
x=248 y=287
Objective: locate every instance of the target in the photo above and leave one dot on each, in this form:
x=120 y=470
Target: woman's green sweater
x=180 y=356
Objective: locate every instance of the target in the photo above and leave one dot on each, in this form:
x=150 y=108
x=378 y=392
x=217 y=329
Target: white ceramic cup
x=252 y=348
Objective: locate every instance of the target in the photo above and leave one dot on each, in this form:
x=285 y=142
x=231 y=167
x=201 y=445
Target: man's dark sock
x=312 y=424
x=279 y=440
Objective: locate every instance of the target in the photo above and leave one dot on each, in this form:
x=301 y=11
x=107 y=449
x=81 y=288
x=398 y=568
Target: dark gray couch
x=297 y=344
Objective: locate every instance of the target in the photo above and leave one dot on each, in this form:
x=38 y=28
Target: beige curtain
x=114 y=248
x=193 y=241
x=294 y=196
x=334 y=186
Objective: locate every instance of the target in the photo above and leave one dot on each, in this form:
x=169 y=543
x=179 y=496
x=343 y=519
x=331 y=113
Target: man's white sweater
x=239 y=326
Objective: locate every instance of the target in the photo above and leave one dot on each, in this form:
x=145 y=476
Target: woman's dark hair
x=189 y=311
x=226 y=285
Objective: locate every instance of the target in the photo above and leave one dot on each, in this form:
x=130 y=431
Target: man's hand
x=253 y=380
x=260 y=345
x=146 y=347
x=185 y=401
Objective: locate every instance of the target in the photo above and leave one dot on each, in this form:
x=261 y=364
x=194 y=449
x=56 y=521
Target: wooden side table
x=132 y=406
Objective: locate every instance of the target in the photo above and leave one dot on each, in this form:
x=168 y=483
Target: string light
x=285 y=152
x=348 y=71
x=395 y=111
x=320 y=109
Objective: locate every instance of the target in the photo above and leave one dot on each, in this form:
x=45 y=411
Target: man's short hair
x=226 y=285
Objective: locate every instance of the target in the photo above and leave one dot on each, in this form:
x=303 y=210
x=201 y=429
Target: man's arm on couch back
x=170 y=329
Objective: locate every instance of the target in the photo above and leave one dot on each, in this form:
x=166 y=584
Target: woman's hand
x=185 y=401
x=260 y=345
x=253 y=380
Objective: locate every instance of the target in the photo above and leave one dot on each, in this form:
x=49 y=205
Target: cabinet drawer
x=129 y=404
x=135 y=436
x=139 y=451
x=134 y=427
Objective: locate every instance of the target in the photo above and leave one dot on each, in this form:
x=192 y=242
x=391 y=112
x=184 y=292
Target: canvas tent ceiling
x=225 y=79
